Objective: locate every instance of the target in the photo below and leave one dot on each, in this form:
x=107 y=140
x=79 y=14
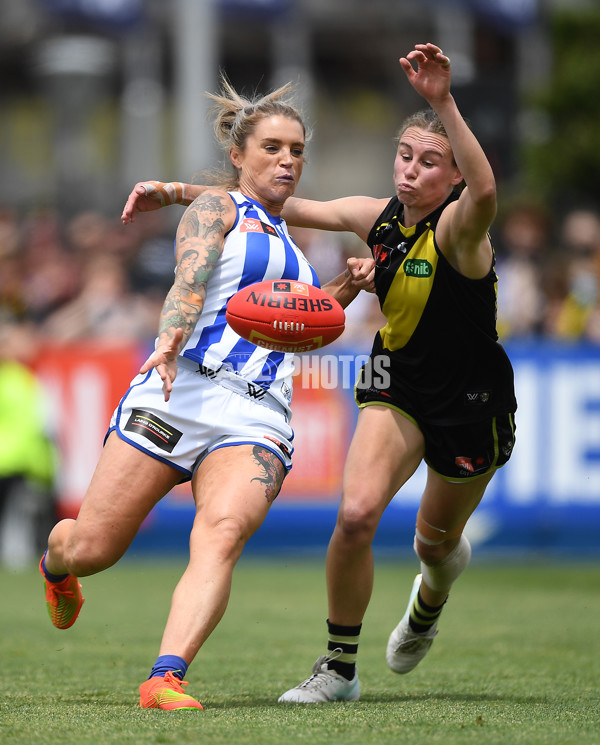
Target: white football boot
x=323 y=685
x=405 y=647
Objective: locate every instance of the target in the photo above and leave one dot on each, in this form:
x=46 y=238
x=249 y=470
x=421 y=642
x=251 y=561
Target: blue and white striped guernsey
x=257 y=247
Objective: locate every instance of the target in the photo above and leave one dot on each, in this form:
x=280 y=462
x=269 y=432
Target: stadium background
x=99 y=94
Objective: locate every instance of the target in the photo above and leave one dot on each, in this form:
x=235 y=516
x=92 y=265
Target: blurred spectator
x=50 y=276
x=27 y=453
x=523 y=252
x=105 y=308
x=578 y=315
x=12 y=300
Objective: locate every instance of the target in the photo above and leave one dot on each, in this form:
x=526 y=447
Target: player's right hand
x=151 y=195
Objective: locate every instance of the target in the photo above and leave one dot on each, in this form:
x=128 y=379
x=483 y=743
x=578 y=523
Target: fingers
x=148 y=365
x=405 y=65
x=362 y=271
x=151 y=195
x=128 y=214
x=130 y=209
x=421 y=54
x=162 y=368
x=167 y=388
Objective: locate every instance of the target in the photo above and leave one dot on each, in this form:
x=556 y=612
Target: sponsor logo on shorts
x=154 y=429
x=207 y=371
x=477 y=398
x=507 y=448
x=470 y=466
x=255 y=391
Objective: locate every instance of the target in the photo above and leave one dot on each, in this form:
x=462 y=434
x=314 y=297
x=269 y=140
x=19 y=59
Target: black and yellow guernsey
x=440 y=341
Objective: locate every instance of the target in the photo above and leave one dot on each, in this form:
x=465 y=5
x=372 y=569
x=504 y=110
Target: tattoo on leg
x=273 y=471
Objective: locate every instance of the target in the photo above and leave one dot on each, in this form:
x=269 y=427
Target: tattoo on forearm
x=273 y=471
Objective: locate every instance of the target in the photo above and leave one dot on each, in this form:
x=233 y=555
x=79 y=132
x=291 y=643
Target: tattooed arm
x=199 y=244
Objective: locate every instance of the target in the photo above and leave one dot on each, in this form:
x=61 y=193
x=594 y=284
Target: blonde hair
x=236 y=118
x=426 y=119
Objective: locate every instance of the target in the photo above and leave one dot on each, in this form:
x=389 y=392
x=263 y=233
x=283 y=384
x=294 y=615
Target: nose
x=286 y=156
x=410 y=169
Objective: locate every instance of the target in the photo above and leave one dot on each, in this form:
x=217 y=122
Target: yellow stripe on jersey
x=408 y=294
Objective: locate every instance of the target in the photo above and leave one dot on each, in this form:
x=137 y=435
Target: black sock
x=423 y=616
x=343 y=646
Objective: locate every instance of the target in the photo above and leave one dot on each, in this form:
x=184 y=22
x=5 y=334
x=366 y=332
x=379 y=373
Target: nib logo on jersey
x=154 y=429
x=417 y=268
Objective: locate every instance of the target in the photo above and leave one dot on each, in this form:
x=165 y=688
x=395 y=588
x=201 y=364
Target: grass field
x=517 y=661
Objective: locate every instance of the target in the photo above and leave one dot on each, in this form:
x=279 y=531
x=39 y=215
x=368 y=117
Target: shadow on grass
x=386 y=698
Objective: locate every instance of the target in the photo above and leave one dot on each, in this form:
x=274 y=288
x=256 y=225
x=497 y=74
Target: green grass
x=517 y=661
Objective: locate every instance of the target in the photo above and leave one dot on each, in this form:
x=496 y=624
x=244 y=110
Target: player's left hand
x=164 y=359
x=431 y=79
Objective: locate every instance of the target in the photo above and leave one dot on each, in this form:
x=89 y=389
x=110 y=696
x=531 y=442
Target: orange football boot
x=63 y=600
x=166 y=693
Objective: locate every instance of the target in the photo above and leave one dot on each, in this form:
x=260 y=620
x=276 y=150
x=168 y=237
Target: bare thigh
x=385 y=451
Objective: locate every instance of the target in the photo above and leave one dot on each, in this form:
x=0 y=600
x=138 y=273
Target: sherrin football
x=285 y=315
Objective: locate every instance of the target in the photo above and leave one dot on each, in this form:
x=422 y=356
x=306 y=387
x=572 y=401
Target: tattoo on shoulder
x=205 y=216
x=273 y=471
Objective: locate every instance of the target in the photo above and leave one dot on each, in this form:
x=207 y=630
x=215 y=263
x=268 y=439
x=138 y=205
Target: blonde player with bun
x=192 y=413
x=450 y=396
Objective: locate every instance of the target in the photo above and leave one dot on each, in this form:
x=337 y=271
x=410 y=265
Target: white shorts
x=200 y=416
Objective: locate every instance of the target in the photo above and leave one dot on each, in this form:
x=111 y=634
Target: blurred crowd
x=549 y=274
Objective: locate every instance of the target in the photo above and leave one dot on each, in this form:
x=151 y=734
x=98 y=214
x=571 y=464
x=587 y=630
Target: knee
x=84 y=557
x=229 y=536
x=357 y=524
x=71 y=548
x=443 y=563
x=432 y=554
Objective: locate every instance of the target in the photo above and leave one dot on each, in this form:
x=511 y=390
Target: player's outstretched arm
x=462 y=230
x=147 y=196
x=348 y=214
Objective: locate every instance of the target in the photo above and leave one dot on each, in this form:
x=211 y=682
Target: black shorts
x=459 y=452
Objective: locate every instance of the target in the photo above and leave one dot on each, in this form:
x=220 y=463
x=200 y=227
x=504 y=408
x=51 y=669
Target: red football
x=285 y=315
